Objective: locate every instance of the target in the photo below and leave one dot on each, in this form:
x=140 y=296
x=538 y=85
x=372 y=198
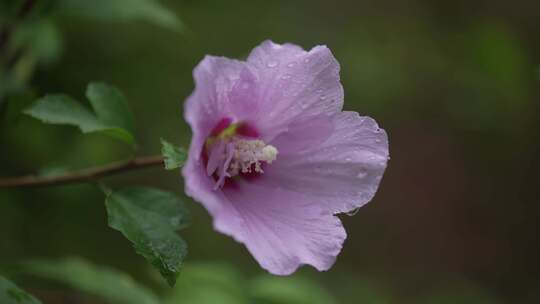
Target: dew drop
x=361 y=174
x=307 y=60
x=353 y=212
x=292 y=64
x=272 y=64
x=322 y=97
x=286 y=76
x=319 y=91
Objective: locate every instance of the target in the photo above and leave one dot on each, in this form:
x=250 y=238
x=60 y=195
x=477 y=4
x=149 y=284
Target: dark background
x=454 y=83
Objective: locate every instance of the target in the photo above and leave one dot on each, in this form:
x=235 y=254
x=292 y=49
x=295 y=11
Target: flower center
x=248 y=155
x=233 y=150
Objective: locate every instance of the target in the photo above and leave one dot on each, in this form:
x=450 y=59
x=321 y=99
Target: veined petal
x=203 y=110
x=243 y=97
x=341 y=174
x=214 y=79
x=300 y=135
x=293 y=85
x=282 y=229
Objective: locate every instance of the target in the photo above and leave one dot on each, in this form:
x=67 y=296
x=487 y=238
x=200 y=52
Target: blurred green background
x=454 y=83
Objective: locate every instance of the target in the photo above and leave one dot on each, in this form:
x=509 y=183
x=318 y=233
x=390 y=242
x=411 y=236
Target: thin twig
x=85 y=175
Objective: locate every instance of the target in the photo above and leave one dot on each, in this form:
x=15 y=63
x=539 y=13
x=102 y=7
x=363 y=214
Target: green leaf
x=209 y=283
x=11 y=294
x=112 y=109
x=122 y=10
x=174 y=157
x=288 y=290
x=112 y=115
x=62 y=109
x=109 y=284
x=149 y=218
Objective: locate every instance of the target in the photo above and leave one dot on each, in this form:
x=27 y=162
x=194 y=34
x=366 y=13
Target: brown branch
x=85 y=175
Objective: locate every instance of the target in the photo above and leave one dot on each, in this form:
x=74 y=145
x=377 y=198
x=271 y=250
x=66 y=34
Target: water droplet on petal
x=286 y=76
x=353 y=212
x=319 y=91
x=322 y=97
x=307 y=60
x=292 y=64
x=362 y=173
x=272 y=64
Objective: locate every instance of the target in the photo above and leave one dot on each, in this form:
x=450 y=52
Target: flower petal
x=341 y=174
x=243 y=97
x=294 y=83
x=304 y=134
x=203 y=110
x=199 y=185
x=214 y=79
x=281 y=229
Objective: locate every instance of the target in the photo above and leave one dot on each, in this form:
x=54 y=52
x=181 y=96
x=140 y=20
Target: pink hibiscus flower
x=273 y=158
